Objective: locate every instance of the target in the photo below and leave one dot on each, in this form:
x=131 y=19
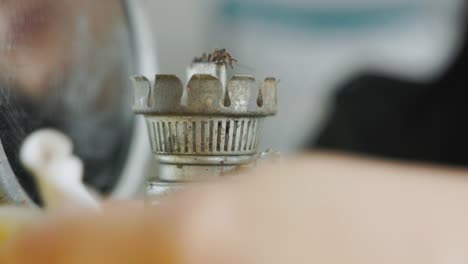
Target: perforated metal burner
x=206 y=130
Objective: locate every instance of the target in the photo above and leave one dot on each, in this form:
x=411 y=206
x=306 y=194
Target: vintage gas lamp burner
x=206 y=130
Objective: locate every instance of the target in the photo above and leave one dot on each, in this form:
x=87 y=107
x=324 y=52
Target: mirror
x=64 y=64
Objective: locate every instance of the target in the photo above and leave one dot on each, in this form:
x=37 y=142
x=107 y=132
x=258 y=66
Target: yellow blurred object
x=124 y=235
x=14 y=218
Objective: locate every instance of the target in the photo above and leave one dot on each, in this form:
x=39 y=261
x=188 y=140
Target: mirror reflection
x=65 y=65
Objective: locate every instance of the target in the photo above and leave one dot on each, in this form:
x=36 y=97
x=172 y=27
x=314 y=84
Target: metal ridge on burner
x=206 y=95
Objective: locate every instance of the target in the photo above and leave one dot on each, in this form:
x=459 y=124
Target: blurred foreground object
x=12 y=219
x=210 y=128
x=320 y=208
x=94 y=238
x=48 y=155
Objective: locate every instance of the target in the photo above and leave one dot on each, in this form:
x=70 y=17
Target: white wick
x=48 y=155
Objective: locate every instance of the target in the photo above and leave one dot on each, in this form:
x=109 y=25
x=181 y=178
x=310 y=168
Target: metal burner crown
x=207 y=129
x=205 y=96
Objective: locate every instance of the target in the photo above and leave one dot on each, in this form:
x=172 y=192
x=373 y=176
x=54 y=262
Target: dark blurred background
x=364 y=75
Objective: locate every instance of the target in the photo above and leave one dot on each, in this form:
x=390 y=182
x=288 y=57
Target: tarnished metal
x=205 y=96
x=204 y=130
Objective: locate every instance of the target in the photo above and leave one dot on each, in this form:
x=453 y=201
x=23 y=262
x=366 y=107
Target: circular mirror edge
x=133 y=175
x=11 y=191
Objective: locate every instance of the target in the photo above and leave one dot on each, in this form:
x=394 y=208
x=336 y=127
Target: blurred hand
x=315 y=209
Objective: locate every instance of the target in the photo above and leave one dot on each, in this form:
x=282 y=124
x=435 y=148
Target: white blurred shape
x=48 y=155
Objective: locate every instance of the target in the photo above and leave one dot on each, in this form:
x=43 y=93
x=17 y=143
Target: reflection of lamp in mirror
x=211 y=132
x=63 y=65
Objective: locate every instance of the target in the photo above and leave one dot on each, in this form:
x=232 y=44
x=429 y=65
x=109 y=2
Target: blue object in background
x=318 y=18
